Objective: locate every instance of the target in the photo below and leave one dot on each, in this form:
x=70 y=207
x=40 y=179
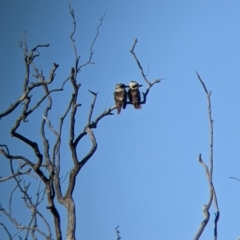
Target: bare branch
x=77 y=168
x=44 y=138
x=148 y=89
x=34 y=147
x=6 y=230
x=203 y=84
x=6 y=153
x=104 y=114
x=21 y=226
x=56 y=153
x=29 y=204
x=28 y=90
x=89 y=61
x=205 y=206
x=217 y=213
x=38 y=46
x=118 y=233
x=14 y=175
x=73 y=33
x=41 y=100
x=67 y=200
x=50 y=167
x=217 y=216
x=209 y=173
x=23 y=45
x=143 y=74
x=235 y=178
x=93 y=124
x=77 y=58
x=93 y=149
x=50 y=125
x=8 y=156
x=138 y=63
x=29 y=57
x=92 y=106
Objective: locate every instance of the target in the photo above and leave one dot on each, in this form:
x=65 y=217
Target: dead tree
x=46 y=164
x=209 y=173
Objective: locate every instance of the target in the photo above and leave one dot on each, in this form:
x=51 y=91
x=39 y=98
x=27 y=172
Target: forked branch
x=30 y=203
x=209 y=173
x=28 y=90
x=91 y=51
x=138 y=63
x=143 y=74
x=93 y=124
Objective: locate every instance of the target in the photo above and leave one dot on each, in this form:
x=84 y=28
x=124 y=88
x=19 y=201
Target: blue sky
x=145 y=176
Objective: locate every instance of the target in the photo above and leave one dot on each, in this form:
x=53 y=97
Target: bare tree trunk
x=70 y=205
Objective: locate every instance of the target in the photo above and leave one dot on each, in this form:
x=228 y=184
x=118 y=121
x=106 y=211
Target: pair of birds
x=134 y=95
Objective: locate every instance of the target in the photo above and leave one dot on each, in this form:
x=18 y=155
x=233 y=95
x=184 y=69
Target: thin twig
x=234 y=178
x=92 y=106
x=6 y=230
x=14 y=175
x=118 y=233
x=89 y=61
x=73 y=33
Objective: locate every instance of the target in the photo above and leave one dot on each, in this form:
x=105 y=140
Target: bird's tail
x=119 y=110
x=137 y=106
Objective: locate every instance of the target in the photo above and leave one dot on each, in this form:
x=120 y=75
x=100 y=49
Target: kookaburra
x=134 y=94
x=120 y=97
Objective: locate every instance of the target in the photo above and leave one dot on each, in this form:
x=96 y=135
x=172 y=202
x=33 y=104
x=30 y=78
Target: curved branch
x=143 y=74
x=234 y=178
x=38 y=46
x=93 y=124
x=148 y=89
x=6 y=230
x=93 y=149
x=8 y=156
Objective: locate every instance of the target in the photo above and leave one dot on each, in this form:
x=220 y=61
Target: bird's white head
x=134 y=85
x=119 y=87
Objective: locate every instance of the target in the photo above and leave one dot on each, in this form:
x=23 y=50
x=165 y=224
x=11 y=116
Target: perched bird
x=134 y=94
x=120 y=96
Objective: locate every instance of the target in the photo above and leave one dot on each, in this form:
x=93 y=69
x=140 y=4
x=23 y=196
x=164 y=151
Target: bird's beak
x=140 y=85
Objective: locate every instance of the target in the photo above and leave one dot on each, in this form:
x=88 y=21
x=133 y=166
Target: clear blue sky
x=145 y=176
